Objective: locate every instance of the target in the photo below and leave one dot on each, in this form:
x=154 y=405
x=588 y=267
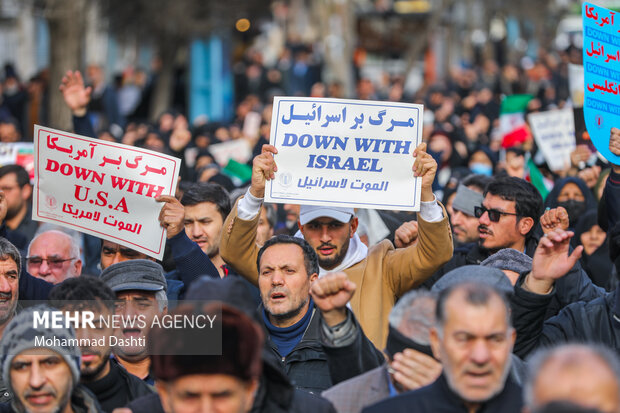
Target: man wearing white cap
x=381 y=273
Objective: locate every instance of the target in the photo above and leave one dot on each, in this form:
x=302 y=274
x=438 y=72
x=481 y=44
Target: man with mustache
x=507 y=218
x=381 y=273
x=473 y=338
x=10 y=267
x=103 y=376
x=140 y=288
x=287 y=266
x=43 y=379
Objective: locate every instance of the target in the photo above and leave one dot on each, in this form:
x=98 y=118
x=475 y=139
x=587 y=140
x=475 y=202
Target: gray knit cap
x=20 y=335
x=466 y=200
x=509 y=259
x=475 y=274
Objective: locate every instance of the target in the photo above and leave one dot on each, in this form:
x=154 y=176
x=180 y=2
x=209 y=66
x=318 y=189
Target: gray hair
x=476 y=295
x=10 y=251
x=162 y=299
x=536 y=363
x=414 y=315
x=74 y=238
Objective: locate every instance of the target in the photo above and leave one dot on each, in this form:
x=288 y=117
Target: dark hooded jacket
x=552 y=199
x=597 y=265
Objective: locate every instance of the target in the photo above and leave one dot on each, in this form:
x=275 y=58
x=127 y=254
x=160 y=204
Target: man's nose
x=117 y=257
x=5 y=286
x=45 y=267
x=325 y=235
x=37 y=376
x=277 y=278
x=484 y=218
x=480 y=353
x=195 y=230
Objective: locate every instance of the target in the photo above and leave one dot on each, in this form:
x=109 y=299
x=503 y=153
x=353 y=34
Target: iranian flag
x=512 y=124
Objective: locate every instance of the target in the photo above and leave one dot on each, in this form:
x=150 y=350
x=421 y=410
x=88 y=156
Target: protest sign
x=238 y=149
x=554 y=132
x=100 y=188
x=601 y=61
x=345 y=153
x=19 y=153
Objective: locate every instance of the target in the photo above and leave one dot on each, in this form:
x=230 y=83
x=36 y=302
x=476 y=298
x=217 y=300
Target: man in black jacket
x=104 y=377
x=473 y=338
x=508 y=217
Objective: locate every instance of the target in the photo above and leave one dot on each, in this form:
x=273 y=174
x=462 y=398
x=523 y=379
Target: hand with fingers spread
x=406 y=234
x=331 y=293
x=171 y=215
x=554 y=218
x=590 y=175
x=412 y=369
x=75 y=94
x=263 y=170
x=551 y=261
x=426 y=167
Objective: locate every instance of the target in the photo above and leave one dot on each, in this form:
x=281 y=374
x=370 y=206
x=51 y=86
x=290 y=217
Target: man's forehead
x=292 y=254
x=135 y=294
x=462 y=314
x=203 y=209
x=8 y=262
x=491 y=200
x=36 y=354
x=52 y=243
x=114 y=246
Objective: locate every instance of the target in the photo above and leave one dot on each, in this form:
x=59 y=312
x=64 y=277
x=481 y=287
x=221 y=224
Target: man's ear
x=354 y=225
x=26 y=192
x=524 y=225
x=314 y=277
x=434 y=338
x=301 y=227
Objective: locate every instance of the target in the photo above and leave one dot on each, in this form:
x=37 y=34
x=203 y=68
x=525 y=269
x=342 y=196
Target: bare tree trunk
x=65 y=19
x=336 y=23
x=162 y=95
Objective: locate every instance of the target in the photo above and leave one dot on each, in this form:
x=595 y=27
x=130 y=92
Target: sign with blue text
x=348 y=153
x=601 y=61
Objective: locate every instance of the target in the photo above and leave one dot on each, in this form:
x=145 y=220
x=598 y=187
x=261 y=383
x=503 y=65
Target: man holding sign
x=382 y=273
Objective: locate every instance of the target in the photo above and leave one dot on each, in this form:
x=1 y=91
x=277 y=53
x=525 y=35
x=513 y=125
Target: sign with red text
x=347 y=153
x=601 y=62
x=101 y=188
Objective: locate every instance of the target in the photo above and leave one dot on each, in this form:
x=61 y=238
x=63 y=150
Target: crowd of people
x=497 y=296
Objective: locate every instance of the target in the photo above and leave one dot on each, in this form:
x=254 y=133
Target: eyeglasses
x=494 y=214
x=53 y=262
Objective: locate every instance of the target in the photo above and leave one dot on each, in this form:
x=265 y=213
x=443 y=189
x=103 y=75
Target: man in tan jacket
x=382 y=273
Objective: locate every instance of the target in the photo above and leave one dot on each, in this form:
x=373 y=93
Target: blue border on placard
x=415 y=183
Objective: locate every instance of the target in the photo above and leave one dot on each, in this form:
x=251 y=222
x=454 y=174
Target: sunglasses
x=494 y=214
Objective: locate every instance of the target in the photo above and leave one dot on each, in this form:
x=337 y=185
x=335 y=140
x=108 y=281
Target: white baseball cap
x=309 y=212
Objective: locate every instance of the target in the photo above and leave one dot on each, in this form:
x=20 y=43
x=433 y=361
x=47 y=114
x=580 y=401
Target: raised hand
x=551 y=261
x=331 y=293
x=426 y=167
x=412 y=369
x=76 y=95
x=554 y=218
x=263 y=170
x=171 y=215
x=406 y=234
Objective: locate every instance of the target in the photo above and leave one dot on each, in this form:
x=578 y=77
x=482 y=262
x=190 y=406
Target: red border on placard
x=172 y=186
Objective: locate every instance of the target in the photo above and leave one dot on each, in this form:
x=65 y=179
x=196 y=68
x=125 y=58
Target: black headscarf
x=598 y=265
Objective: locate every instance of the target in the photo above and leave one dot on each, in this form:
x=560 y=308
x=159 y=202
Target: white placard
x=100 y=188
x=238 y=149
x=554 y=132
x=348 y=153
